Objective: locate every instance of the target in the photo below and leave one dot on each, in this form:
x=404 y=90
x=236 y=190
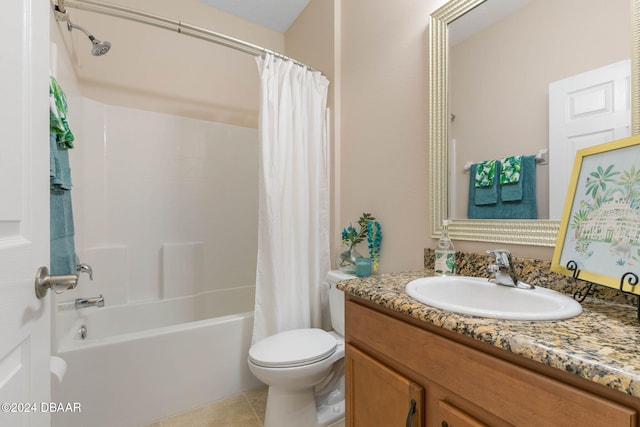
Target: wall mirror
x=540 y=232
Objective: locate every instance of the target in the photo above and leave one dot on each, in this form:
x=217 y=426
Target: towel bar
x=542 y=158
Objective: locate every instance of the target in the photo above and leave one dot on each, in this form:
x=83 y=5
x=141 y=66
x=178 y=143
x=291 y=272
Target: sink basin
x=479 y=297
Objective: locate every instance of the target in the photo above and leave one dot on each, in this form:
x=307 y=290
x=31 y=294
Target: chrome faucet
x=90 y=302
x=85 y=268
x=504 y=273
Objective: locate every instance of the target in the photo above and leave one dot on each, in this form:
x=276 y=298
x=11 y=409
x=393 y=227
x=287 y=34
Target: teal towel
x=487 y=194
x=59 y=171
x=526 y=208
x=62 y=246
x=63 y=252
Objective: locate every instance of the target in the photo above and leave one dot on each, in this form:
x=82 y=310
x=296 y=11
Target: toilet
x=304 y=369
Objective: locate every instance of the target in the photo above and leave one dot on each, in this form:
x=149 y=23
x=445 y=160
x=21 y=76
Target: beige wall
x=310 y=38
x=384 y=112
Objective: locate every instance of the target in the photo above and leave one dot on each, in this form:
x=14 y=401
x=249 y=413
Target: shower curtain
x=293 y=224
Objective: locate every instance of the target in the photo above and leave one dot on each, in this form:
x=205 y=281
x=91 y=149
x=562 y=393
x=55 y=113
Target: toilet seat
x=297 y=347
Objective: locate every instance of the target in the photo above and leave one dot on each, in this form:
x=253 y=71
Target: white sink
x=479 y=297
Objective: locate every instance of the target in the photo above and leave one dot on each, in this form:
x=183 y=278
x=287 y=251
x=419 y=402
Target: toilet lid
x=296 y=347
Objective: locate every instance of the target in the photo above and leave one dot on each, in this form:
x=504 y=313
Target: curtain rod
x=168 y=24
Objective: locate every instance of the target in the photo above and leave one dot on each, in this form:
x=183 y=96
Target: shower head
x=99 y=47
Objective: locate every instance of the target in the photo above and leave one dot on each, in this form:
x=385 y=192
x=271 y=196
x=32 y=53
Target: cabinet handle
x=412 y=410
x=444 y=424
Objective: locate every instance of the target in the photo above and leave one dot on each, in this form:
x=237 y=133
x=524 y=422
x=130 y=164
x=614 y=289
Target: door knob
x=59 y=283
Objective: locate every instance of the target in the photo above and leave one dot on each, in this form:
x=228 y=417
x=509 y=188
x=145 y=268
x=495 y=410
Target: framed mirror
x=541 y=232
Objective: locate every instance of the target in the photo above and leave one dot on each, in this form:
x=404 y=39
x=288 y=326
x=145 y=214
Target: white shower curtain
x=293 y=225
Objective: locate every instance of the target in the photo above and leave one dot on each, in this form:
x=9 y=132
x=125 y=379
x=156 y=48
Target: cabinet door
x=377 y=396
x=450 y=416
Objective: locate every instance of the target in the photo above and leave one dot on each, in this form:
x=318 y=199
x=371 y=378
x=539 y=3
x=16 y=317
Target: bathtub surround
x=182 y=269
x=154 y=235
x=293 y=228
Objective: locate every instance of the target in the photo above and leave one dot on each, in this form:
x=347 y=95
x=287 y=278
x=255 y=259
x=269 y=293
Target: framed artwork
x=600 y=225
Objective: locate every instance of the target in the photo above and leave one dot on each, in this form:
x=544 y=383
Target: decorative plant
x=351 y=236
x=369 y=229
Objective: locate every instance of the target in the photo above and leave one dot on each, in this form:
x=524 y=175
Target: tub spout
x=90 y=302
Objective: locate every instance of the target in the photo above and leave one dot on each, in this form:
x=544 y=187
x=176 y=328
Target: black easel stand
x=629 y=278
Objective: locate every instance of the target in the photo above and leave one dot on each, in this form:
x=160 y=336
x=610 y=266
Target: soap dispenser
x=445 y=262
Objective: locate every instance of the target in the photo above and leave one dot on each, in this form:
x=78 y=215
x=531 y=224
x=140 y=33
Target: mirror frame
x=521 y=232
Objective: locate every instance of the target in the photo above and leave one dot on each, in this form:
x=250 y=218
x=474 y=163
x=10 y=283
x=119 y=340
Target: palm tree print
x=629 y=180
x=598 y=180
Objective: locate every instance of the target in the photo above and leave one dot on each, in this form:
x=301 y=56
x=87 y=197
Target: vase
x=346 y=262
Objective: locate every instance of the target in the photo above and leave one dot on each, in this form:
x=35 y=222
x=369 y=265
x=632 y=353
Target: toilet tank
x=336 y=299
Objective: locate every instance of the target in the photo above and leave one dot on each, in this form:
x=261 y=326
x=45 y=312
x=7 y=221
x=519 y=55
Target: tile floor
x=243 y=410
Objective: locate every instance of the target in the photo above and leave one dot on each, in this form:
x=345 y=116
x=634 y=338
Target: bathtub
x=143 y=362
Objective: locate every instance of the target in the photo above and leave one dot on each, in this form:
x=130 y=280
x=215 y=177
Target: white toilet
x=304 y=369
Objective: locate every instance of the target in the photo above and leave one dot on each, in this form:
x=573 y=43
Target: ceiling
x=275 y=14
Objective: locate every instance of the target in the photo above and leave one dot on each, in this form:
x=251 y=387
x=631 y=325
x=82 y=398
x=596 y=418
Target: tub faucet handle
x=85 y=268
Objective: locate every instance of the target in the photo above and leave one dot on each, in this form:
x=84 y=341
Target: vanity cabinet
x=392 y=359
x=384 y=397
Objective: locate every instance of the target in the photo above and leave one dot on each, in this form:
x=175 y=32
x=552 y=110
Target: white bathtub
x=143 y=362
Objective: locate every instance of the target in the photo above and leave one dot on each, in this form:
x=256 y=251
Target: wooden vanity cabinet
x=384 y=397
x=392 y=359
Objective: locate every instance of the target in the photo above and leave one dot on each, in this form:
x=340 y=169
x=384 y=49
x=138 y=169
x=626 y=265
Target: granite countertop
x=599 y=345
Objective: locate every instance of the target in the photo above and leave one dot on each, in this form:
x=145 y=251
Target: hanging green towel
x=485 y=183
x=485 y=173
x=58 y=123
x=511 y=177
x=510 y=169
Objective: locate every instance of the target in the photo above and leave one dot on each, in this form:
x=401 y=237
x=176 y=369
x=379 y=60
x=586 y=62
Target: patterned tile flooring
x=243 y=410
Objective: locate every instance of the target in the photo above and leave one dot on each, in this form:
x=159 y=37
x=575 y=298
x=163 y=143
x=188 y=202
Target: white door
x=24 y=213
x=584 y=110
